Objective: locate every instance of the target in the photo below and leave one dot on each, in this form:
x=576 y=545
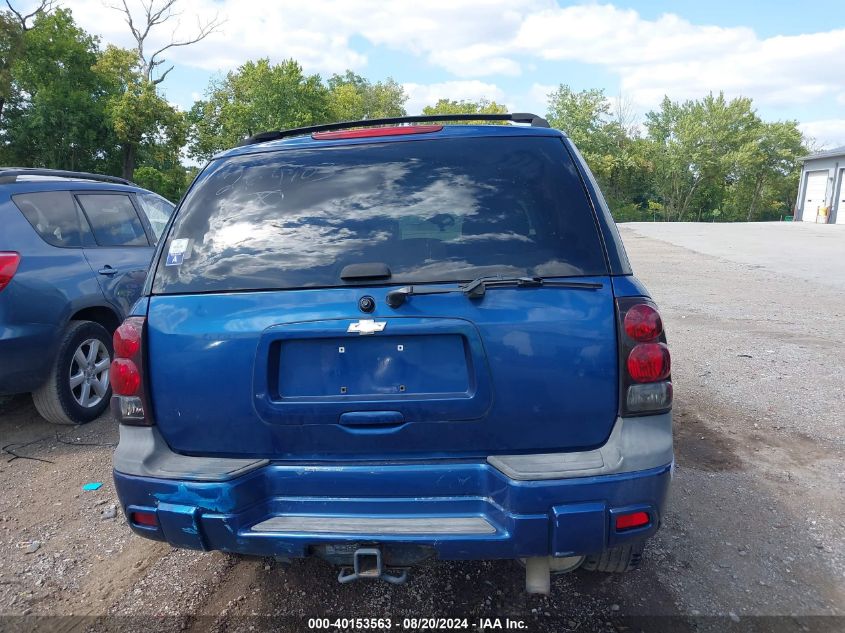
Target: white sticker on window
x=178 y=246
x=176 y=253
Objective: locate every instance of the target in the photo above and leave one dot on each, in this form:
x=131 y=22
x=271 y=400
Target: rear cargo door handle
x=107 y=270
x=372 y=418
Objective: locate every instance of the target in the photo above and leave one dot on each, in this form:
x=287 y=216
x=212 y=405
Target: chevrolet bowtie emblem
x=367 y=326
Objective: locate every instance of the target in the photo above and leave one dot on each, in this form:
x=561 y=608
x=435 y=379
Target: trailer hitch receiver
x=368 y=563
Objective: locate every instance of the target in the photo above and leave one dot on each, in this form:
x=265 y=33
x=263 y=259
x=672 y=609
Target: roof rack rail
x=11 y=174
x=516 y=117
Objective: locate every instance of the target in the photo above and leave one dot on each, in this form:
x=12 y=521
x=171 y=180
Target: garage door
x=814 y=194
x=840 y=208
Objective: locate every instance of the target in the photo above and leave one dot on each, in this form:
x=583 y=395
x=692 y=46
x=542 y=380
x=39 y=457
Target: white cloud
x=420 y=95
x=475 y=39
x=672 y=56
x=827 y=133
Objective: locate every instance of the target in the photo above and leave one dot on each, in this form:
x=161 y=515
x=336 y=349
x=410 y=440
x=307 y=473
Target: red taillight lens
x=129 y=404
x=124 y=377
x=8 y=267
x=148 y=519
x=127 y=340
x=649 y=362
x=642 y=323
x=632 y=520
x=376 y=131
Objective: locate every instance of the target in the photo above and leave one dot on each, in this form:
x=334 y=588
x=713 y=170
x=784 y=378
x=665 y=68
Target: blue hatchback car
x=74 y=251
x=380 y=343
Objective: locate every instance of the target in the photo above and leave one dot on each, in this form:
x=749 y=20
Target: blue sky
x=787 y=56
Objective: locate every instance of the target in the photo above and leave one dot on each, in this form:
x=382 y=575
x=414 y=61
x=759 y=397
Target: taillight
x=397 y=130
x=8 y=267
x=129 y=403
x=642 y=323
x=127 y=339
x=125 y=377
x=649 y=362
x=644 y=361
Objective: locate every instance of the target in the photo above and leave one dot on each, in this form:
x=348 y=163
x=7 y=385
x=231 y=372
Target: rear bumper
x=462 y=510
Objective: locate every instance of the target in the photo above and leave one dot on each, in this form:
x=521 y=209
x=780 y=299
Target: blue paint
x=55 y=281
x=398 y=423
x=536 y=518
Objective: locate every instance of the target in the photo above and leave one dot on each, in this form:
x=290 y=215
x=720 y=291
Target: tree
x=55 y=116
x=137 y=114
x=449 y=106
x=583 y=117
x=768 y=171
x=154 y=14
x=256 y=97
x=608 y=140
x=353 y=98
x=13 y=26
x=715 y=158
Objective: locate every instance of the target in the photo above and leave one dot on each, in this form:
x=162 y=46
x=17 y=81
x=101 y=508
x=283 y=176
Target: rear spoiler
x=516 y=117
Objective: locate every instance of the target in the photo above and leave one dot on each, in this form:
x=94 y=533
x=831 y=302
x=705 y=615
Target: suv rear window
x=432 y=210
x=53 y=215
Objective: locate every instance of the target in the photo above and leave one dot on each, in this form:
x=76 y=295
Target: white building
x=822 y=185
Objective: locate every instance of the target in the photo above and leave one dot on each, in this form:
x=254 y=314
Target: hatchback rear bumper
x=462 y=510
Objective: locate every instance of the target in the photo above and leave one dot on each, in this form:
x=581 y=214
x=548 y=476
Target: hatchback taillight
x=644 y=362
x=129 y=403
x=8 y=267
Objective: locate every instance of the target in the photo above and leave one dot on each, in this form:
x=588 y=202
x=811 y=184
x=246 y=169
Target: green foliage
x=11 y=47
x=66 y=102
x=353 y=98
x=618 y=158
x=138 y=116
x=255 y=98
x=171 y=183
x=710 y=159
x=54 y=115
x=716 y=159
x=482 y=106
x=260 y=96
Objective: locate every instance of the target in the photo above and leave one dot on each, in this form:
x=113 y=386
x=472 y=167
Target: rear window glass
x=113 y=220
x=53 y=215
x=432 y=210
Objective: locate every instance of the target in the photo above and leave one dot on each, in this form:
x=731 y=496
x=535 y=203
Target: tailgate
x=287 y=375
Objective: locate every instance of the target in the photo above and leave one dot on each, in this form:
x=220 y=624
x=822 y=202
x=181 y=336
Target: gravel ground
x=753 y=539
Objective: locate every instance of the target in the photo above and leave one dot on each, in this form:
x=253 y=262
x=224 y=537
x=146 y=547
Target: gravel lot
x=754 y=534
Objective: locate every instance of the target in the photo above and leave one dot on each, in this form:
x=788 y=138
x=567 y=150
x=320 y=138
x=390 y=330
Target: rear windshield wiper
x=476 y=288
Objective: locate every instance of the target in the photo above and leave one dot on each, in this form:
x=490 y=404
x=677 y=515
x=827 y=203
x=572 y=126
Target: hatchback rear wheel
x=77 y=390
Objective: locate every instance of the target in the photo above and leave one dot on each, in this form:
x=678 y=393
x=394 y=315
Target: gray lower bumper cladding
x=634 y=444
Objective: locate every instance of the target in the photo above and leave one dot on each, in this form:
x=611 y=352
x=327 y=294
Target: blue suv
x=74 y=251
x=380 y=343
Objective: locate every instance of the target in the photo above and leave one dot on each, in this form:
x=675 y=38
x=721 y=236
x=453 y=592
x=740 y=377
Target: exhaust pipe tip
x=538 y=577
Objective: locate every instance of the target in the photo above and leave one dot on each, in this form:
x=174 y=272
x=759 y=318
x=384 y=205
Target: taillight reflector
x=148 y=519
x=376 y=131
x=649 y=362
x=124 y=377
x=632 y=520
x=642 y=323
x=8 y=267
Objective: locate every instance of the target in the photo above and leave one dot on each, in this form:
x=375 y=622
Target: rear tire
x=77 y=389
x=616 y=559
